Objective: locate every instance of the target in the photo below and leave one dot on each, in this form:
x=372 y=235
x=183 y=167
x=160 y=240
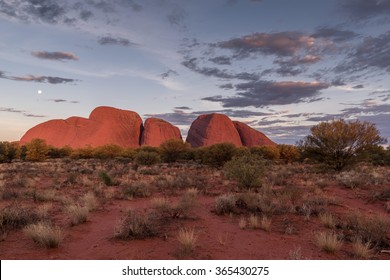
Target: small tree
x=173 y=150
x=8 y=151
x=37 y=150
x=339 y=143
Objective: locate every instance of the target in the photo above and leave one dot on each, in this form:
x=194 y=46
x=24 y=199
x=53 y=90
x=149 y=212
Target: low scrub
x=78 y=214
x=361 y=249
x=329 y=242
x=187 y=239
x=146 y=157
x=135 y=225
x=225 y=204
x=137 y=189
x=44 y=234
x=247 y=170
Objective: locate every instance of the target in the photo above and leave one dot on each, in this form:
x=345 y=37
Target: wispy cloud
x=265 y=93
x=60 y=56
x=22 y=112
x=363 y=9
x=110 y=40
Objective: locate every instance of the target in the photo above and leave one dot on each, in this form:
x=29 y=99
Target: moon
x=39 y=91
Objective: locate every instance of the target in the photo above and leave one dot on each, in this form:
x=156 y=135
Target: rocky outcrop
x=212 y=129
x=157 y=131
x=251 y=137
x=105 y=125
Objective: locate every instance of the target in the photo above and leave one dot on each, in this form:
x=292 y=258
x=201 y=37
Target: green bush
x=266 y=152
x=217 y=155
x=107 y=151
x=247 y=170
x=288 y=153
x=174 y=150
x=59 y=152
x=82 y=153
x=37 y=150
x=339 y=143
x=8 y=151
x=148 y=158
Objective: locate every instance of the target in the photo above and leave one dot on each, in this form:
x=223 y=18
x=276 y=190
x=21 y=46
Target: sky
x=280 y=66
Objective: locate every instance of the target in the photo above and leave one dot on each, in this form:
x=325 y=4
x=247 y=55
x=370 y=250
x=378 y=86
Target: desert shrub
x=54 y=152
x=266 y=152
x=288 y=153
x=187 y=238
x=225 y=204
x=265 y=223
x=362 y=250
x=137 y=189
x=90 y=201
x=327 y=220
x=8 y=151
x=15 y=217
x=134 y=225
x=37 y=150
x=328 y=241
x=217 y=155
x=106 y=178
x=82 y=153
x=369 y=229
x=78 y=214
x=44 y=234
x=108 y=151
x=247 y=170
x=148 y=158
x=180 y=209
x=339 y=143
x=128 y=153
x=174 y=150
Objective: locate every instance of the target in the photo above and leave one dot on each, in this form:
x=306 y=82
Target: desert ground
x=113 y=209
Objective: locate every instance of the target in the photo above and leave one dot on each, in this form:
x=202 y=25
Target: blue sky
x=281 y=66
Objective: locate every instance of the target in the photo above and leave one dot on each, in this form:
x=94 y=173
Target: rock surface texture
x=157 y=131
x=251 y=137
x=212 y=129
x=107 y=125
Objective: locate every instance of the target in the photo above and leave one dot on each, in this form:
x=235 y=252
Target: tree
x=173 y=150
x=339 y=143
x=8 y=151
x=37 y=150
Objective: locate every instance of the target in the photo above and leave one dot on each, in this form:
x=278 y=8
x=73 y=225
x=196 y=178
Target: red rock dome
x=251 y=137
x=157 y=131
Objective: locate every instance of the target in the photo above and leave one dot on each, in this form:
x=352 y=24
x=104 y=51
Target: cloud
x=264 y=93
x=63 y=101
x=183 y=108
x=280 y=44
x=109 y=40
x=218 y=73
x=168 y=73
x=38 y=79
x=61 y=56
x=334 y=34
x=373 y=52
x=363 y=9
x=221 y=60
x=22 y=112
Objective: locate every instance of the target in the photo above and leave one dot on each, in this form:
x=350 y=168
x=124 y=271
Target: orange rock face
x=212 y=129
x=157 y=131
x=105 y=125
x=251 y=137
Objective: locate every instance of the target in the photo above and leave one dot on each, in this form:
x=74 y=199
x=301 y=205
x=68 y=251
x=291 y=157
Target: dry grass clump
x=328 y=241
x=372 y=229
x=187 y=238
x=242 y=223
x=134 y=225
x=361 y=249
x=14 y=217
x=266 y=223
x=137 y=189
x=78 y=214
x=328 y=220
x=225 y=204
x=90 y=201
x=295 y=254
x=43 y=211
x=44 y=234
x=46 y=195
x=254 y=222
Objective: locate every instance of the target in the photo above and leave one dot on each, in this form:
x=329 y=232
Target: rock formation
x=105 y=125
x=251 y=137
x=157 y=131
x=212 y=129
